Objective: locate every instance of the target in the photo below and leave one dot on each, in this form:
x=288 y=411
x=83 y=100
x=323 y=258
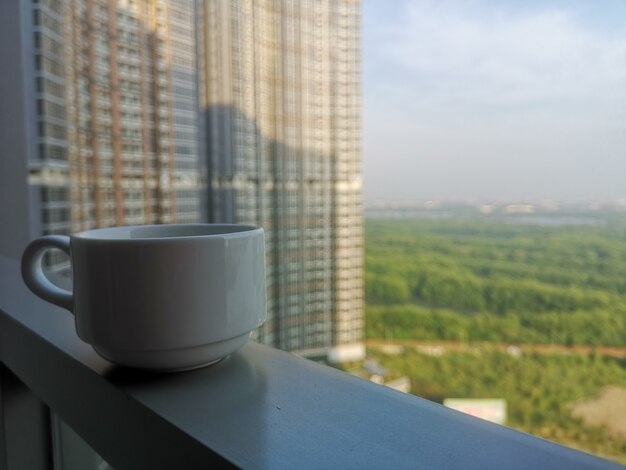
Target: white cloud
x=489 y=98
x=462 y=51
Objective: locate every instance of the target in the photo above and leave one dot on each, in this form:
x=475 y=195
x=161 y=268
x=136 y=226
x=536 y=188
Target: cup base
x=174 y=360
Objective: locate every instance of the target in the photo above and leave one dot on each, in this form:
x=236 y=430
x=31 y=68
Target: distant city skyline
x=494 y=100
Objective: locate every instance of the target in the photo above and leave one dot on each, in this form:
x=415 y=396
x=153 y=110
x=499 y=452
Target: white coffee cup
x=161 y=297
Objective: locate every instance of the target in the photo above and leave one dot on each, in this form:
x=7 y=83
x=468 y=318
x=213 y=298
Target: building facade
x=110 y=113
x=102 y=128
x=281 y=98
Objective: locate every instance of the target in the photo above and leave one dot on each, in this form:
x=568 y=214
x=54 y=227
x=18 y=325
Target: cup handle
x=33 y=274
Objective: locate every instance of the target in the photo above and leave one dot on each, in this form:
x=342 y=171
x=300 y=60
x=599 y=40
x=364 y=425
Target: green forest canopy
x=477 y=280
x=539 y=389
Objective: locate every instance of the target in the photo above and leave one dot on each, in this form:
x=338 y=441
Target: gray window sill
x=260 y=408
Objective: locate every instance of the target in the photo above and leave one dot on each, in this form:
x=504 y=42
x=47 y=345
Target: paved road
x=434 y=347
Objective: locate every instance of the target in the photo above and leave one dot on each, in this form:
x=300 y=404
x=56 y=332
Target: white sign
x=490 y=409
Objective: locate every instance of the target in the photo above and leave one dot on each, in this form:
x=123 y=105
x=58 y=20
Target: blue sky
x=494 y=100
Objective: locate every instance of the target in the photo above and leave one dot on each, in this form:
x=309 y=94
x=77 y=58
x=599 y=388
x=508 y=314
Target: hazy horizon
x=494 y=100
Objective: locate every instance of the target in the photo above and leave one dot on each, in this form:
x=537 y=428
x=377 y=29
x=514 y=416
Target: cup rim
x=107 y=234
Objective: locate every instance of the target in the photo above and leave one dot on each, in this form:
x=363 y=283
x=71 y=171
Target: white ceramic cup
x=161 y=297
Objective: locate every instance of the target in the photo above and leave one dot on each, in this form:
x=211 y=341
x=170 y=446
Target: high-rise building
x=100 y=127
x=281 y=98
x=106 y=95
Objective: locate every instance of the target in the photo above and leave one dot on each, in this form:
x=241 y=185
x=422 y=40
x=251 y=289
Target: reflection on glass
x=71 y=452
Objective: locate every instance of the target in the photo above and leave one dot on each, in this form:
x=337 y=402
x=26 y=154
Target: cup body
x=168 y=297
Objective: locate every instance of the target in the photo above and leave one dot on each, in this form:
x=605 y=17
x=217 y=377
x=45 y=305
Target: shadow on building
x=291 y=192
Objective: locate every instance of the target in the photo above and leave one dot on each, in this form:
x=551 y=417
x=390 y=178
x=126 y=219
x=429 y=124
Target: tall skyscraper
x=106 y=97
x=100 y=128
x=281 y=98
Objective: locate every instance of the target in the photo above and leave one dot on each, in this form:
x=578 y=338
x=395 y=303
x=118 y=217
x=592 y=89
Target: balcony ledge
x=259 y=408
